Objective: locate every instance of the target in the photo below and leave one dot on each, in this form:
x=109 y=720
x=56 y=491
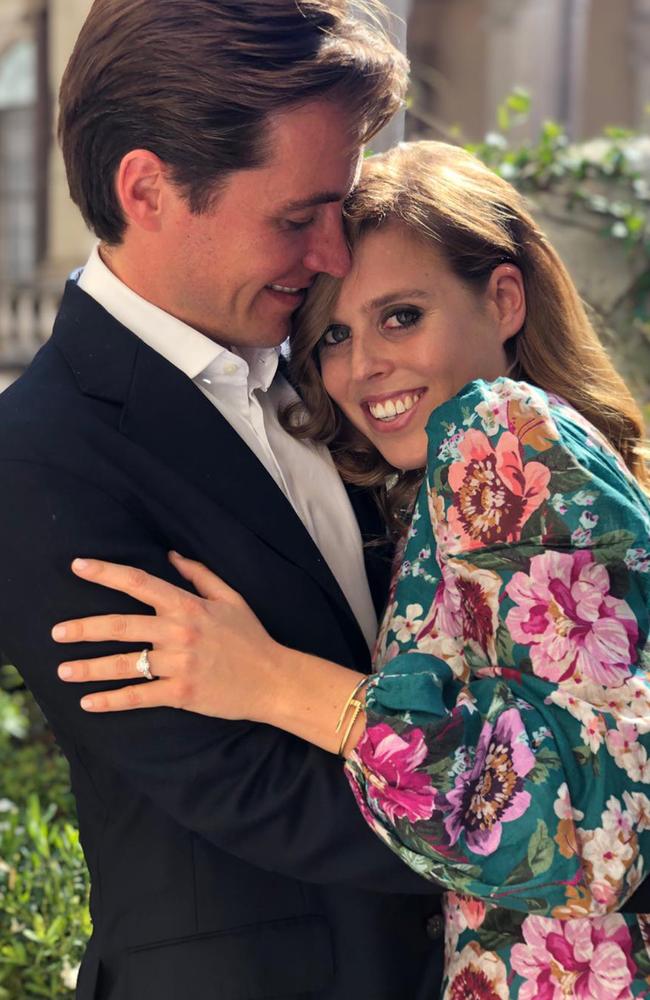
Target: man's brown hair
x=195 y=81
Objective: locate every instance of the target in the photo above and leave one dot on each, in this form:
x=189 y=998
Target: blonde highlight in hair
x=451 y=201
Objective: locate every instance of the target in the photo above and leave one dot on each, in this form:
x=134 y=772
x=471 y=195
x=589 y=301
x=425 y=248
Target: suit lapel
x=169 y=416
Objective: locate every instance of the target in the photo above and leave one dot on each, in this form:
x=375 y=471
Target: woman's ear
x=507 y=297
x=140 y=182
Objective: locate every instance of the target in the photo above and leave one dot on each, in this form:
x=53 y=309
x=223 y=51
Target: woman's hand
x=210 y=653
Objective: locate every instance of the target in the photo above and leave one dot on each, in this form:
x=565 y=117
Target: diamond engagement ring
x=142 y=665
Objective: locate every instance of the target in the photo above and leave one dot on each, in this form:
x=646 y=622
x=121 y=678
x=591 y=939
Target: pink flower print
x=473 y=911
x=464 y=612
x=575 y=630
x=475 y=974
x=491 y=792
x=495 y=491
x=588 y=959
x=389 y=762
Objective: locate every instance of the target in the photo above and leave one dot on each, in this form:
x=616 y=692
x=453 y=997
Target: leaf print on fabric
x=582 y=959
x=475 y=974
x=516 y=409
x=575 y=629
x=464 y=616
x=389 y=763
x=566 y=837
x=495 y=491
x=491 y=792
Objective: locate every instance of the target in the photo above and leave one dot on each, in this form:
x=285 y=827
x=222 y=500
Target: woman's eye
x=335 y=334
x=401 y=318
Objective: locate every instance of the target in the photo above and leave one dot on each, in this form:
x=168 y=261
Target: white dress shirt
x=245 y=387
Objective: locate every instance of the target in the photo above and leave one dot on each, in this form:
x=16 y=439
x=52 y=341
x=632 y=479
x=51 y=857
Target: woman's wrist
x=305 y=695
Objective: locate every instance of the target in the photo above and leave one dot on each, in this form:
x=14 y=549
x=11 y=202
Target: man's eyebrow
x=320 y=198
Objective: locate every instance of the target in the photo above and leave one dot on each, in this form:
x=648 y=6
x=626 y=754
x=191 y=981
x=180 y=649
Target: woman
x=501 y=747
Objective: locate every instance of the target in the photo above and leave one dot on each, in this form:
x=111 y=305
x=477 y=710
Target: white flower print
x=558 y=503
x=609 y=856
x=562 y=806
x=406 y=626
x=583 y=498
x=638 y=807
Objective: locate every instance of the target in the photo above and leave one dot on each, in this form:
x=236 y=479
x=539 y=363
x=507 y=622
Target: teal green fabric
x=506 y=749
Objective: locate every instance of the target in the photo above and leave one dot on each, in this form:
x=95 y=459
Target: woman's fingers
x=205 y=582
x=155 y=694
x=121 y=666
x=135 y=582
x=122 y=628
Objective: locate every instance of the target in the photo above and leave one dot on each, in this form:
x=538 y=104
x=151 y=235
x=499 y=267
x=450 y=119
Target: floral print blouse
x=508 y=726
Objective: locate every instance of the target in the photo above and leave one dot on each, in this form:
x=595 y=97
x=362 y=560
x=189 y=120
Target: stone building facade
x=466 y=56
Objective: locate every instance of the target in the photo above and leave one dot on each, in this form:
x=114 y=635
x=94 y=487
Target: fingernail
x=86 y=703
x=174 y=554
x=58 y=632
x=80 y=564
x=65 y=672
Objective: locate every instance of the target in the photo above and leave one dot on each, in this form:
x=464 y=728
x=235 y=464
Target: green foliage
x=602 y=176
x=604 y=184
x=44 y=919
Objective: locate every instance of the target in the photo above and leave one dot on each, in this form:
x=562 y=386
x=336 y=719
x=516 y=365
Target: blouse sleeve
x=506 y=749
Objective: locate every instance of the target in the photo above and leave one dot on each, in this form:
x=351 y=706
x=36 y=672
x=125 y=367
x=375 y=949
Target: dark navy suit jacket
x=228 y=860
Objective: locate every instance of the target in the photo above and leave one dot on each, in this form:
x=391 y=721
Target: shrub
x=44 y=918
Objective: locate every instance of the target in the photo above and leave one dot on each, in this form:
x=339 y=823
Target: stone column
x=394 y=131
x=526 y=46
x=68 y=241
x=640 y=52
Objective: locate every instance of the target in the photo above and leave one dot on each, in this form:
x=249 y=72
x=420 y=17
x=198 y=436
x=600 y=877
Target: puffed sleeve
x=506 y=749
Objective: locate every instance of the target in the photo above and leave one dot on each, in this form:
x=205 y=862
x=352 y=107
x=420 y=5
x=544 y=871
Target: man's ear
x=507 y=297
x=139 y=184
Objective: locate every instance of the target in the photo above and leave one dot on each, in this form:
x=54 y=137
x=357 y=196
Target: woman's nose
x=369 y=359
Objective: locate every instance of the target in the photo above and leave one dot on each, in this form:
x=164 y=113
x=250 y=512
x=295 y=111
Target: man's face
x=239 y=271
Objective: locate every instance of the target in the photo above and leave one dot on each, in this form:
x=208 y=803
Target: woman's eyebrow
x=385 y=300
x=396 y=296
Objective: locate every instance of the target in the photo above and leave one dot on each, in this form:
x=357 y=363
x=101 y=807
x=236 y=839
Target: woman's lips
x=383 y=404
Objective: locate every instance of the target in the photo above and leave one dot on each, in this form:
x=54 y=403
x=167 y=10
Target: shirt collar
x=183 y=346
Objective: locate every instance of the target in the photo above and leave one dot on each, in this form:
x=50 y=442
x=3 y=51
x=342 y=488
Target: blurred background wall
x=586 y=63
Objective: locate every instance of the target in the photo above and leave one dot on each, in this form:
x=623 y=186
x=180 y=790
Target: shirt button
x=230 y=369
x=435 y=927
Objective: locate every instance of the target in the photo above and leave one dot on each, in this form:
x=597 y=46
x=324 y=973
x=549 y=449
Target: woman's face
x=407 y=334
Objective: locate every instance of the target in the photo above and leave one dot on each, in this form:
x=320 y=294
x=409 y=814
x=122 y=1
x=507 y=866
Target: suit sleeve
x=506 y=754
x=251 y=790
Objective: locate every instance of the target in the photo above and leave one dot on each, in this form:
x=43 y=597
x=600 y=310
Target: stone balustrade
x=27 y=314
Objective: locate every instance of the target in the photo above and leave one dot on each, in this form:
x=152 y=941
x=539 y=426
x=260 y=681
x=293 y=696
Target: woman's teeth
x=392 y=408
x=283 y=288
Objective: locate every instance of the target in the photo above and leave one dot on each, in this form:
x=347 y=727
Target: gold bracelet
x=357 y=706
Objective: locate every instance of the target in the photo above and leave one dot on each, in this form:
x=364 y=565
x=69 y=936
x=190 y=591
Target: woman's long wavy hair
x=451 y=201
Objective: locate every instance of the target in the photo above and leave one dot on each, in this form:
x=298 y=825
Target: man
x=209 y=144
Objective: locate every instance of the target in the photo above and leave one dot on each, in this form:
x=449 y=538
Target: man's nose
x=328 y=251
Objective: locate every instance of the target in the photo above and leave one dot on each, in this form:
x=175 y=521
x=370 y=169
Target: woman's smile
x=393 y=411
x=406 y=335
